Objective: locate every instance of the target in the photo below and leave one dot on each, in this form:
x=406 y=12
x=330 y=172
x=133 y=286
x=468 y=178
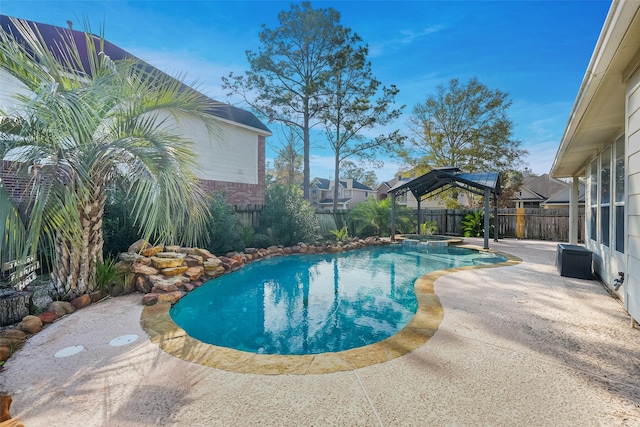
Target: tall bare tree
x=287 y=166
x=356 y=103
x=288 y=73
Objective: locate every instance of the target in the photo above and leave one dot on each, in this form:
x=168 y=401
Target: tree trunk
x=306 y=178
x=336 y=184
x=14 y=307
x=75 y=267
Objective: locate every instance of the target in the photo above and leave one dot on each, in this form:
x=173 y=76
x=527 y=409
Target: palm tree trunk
x=75 y=266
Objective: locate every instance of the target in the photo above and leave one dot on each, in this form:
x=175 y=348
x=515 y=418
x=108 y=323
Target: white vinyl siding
x=9 y=88
x=632 y=278
x=230 y=155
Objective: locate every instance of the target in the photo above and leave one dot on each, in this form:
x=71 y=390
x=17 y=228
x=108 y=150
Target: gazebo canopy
x=441 y=179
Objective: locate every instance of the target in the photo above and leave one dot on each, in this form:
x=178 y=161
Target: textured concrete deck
x=517 y=345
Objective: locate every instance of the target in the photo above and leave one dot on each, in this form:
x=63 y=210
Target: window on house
x=593 y=200
x=605 y=195
x=619 y=195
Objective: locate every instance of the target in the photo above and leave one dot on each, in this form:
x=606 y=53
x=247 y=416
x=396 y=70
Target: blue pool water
x=308 y=304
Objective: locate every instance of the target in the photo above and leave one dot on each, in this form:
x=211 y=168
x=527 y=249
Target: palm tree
x=84 y=123
x=373 y=217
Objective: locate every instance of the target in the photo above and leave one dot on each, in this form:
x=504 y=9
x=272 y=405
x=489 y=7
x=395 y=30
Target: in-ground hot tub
x=422 y=240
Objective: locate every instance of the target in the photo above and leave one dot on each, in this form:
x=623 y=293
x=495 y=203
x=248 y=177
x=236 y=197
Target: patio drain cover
x=125 y=339
x=70 y=351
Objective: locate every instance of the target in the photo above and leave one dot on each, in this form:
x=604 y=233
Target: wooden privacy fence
x=535 y=223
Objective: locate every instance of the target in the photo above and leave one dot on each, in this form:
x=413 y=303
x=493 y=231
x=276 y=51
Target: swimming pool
x=310 y=304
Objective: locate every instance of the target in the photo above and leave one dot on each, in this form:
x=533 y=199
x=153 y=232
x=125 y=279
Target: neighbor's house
x=407 y=199
x=234 y=162
x=545 y=192
x=350 y=192
x=602 y=143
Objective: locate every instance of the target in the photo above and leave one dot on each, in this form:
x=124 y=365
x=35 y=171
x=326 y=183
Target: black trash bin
x=574 y=261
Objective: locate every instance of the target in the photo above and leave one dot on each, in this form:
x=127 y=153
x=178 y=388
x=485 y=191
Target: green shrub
x=118 y=228
x=261 y=240
x=341 y=235
x=248 y=234
x=373 y=218
x=225 y=232
x=107 y=273
x=473 y=224
x=287 y=217
x=428 y=228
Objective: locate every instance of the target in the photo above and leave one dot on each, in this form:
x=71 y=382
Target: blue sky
x=537 y=51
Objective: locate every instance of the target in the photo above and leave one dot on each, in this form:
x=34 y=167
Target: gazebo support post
x=393 y=216
x=487 y=199
x=419 y=216
x=495 y=217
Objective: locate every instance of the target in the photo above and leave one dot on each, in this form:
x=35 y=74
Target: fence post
x=520 y=223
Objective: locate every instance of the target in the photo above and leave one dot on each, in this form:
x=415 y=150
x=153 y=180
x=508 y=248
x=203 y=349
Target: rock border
x=168 y=273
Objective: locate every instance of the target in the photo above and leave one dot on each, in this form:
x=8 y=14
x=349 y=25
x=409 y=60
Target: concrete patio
x=518 y=345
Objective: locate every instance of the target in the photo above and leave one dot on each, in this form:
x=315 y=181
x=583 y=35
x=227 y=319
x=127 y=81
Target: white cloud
x=405 y=37
x=410 y=35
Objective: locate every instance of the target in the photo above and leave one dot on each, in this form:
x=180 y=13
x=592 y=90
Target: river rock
x=61 y=308
x=81 y=302
x=30 y=325
x=48 y=317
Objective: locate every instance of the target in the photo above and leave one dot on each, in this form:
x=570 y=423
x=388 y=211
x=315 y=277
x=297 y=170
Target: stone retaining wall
x=167 y=273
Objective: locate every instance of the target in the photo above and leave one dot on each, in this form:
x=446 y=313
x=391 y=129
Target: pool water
x=308 y=304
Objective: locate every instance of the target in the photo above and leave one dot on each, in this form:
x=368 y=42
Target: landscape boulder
x=30 y=325
x=81 y=301
x=60 y=308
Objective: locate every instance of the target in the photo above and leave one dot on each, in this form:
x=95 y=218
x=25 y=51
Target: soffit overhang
x=597 y=117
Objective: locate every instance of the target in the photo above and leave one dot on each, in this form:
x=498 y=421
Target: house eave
x=597 y=117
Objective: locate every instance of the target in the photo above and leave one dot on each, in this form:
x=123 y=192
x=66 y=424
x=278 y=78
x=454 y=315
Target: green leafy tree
x=287 y=217
x=349 y=170
x=464 y=125
x=352 y=107
x=88 y=122
x=373 y=218
x=287 y=75
x=511 y=182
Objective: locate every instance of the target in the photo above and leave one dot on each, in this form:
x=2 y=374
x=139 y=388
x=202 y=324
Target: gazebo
x=440 y=179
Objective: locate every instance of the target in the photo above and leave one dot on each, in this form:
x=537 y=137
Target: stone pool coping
x=165 y=333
